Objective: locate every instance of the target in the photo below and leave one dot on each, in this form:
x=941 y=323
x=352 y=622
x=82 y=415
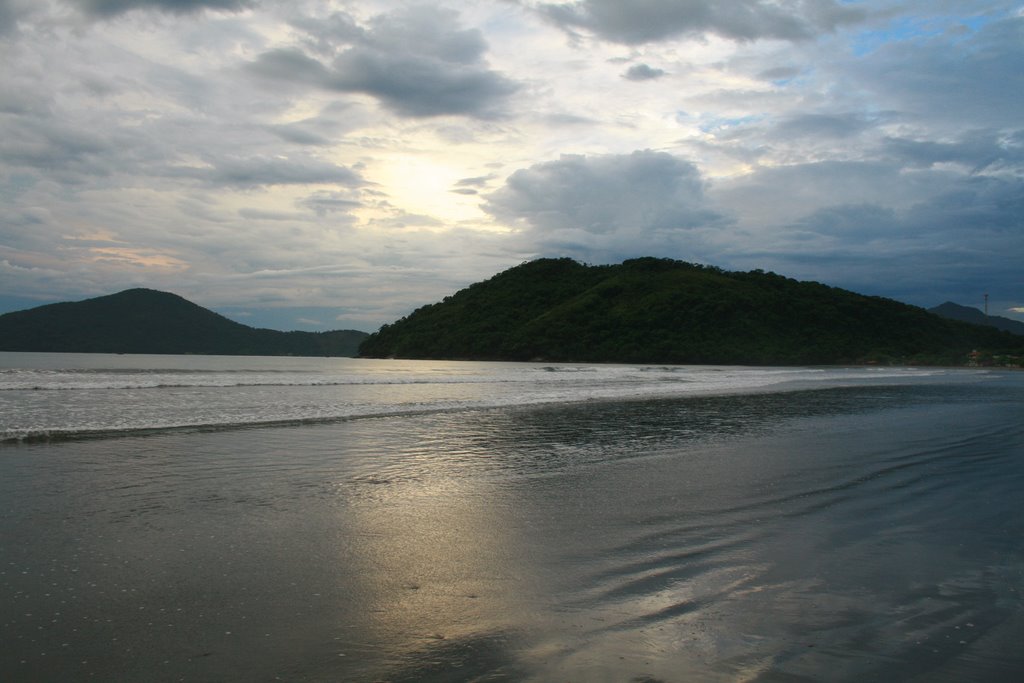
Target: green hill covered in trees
x=148 y=321
x=651 y=310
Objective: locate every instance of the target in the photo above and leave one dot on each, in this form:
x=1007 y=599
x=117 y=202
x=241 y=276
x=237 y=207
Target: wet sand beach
x=864 y=533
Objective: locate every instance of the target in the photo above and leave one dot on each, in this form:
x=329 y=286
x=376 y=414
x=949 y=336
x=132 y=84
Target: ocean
x=196 y=518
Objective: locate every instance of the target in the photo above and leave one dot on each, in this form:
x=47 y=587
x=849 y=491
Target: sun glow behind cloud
x=422 y=184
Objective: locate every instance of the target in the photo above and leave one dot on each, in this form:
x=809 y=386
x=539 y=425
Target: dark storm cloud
x=741 y=20
x=415 y=87
x=642 y=72
x=417 y=62
x=108 y=8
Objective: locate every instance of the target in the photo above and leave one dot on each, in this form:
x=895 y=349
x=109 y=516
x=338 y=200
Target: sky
x=337 y=164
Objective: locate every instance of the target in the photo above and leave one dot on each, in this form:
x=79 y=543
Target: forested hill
x=148 y=321
x=651 y=310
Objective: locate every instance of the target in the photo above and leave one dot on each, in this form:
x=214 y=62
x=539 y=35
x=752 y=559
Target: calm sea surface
x=194 y=518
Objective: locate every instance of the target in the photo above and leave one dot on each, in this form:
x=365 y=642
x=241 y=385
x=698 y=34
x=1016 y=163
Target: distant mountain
x=969 y=314
x=651 y=310
x=148 y=321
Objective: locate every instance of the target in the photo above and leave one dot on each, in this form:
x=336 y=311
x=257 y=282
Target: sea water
x=74 y=395
x=227 y=518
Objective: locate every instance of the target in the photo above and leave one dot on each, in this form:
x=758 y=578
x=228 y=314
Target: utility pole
x=986 y=304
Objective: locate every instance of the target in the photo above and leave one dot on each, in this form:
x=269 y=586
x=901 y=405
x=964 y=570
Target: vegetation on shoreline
x=651 y=310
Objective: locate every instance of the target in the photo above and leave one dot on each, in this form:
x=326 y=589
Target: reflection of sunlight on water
x=445 y=570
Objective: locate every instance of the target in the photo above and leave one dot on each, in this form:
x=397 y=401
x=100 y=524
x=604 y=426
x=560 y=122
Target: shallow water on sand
x=47 y=396
x=847 y=533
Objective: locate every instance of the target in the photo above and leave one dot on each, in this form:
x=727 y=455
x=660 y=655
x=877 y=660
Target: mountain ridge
x=141 y=320
x=969 y=314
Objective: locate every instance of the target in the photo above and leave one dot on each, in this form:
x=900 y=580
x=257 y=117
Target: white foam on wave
x=94 y=379
x=69 y=401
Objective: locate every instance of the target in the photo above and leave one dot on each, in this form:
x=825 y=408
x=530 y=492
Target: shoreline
x=677 y=392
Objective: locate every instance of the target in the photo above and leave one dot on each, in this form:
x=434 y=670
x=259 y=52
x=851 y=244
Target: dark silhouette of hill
x=148 y=321
x=969 y=314
x=651 y=310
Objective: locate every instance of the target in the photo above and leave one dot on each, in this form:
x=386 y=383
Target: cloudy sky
x=335 y=164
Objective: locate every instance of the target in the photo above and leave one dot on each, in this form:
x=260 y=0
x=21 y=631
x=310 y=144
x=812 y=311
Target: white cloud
x=607 y=207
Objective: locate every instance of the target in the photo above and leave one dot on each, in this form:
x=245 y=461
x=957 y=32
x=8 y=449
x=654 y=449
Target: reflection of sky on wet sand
x=444 y=570
x=797 y=537
x=826 y=556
